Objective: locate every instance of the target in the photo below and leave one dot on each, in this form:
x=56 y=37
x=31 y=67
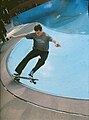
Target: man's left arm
x=56 y=43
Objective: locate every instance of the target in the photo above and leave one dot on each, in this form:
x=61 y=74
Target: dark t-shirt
x=40 y=42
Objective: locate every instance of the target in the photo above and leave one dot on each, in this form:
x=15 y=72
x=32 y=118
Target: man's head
x=38 y=29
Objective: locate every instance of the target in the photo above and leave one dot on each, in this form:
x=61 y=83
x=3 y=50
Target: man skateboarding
x=40 y=48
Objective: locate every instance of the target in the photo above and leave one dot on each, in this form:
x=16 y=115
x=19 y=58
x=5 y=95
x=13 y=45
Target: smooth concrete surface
x=65 y=72
x=12 y=108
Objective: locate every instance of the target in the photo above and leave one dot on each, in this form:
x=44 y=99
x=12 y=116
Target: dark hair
x=38 y=27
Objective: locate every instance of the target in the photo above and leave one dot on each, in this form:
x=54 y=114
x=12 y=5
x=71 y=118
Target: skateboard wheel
x=31 y=81
x=34 y=82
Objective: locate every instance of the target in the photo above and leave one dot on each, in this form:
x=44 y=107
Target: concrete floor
x=12 y=108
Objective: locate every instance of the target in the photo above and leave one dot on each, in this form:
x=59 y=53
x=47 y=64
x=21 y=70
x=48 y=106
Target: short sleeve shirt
x=40 y=42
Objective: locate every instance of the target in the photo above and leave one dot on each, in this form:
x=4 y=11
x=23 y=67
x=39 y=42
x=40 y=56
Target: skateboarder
x=40 y=48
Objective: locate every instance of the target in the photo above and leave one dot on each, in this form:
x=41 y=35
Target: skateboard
x=31 y=79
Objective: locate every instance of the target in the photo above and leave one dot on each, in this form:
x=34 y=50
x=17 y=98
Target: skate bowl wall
x=65 y=72
x=36 y=13
x=62 y=9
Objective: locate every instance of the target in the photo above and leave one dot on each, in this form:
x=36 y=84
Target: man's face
x=38 y=33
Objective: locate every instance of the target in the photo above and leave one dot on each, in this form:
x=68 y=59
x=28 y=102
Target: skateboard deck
x=32 y=80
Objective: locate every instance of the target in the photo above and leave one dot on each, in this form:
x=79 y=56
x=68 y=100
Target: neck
x=39 y=34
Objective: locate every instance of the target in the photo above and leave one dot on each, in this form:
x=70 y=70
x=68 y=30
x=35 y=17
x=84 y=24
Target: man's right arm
x=18 y=36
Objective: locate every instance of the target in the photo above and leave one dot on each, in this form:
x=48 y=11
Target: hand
x=58 y=45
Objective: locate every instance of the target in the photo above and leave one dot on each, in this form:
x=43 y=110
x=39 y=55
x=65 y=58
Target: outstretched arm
x=18 y=36
x=56 y=43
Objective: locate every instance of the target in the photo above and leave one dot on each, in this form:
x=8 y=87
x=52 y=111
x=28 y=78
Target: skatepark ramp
x=71 y=62
x=70 y=106
x=53 y=11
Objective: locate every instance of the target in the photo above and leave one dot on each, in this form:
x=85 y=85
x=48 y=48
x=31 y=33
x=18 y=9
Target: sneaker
x=17 y=75
x=17 y=79
x=31 y=74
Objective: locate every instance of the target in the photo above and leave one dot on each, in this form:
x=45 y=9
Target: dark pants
x=34 y=53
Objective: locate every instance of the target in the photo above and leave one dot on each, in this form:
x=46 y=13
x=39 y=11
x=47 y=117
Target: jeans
x=34 y=53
